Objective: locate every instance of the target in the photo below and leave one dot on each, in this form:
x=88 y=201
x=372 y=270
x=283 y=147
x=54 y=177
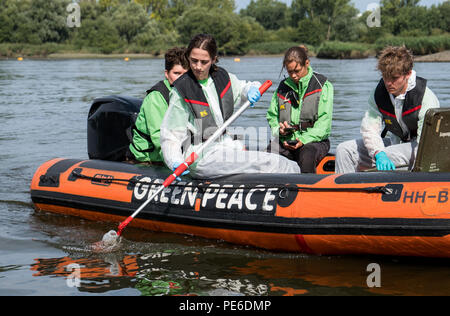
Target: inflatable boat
x=385 y=213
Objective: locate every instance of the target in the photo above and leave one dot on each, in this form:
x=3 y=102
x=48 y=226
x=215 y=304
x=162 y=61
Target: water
x=43 y=109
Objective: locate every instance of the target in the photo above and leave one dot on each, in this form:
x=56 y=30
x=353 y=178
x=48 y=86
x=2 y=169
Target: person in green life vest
x=300 y=113
x=146 y=147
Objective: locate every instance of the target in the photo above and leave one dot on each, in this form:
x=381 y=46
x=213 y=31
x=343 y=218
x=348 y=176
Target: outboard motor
x=110 y=126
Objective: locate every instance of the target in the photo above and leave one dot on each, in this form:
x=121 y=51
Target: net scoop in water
x=110 y=242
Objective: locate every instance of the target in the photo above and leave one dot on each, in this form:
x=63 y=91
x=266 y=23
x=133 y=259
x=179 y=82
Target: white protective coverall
x=223 y=157
x=357 y=155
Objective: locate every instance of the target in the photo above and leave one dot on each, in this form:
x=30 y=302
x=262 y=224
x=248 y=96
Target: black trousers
x=307 y=157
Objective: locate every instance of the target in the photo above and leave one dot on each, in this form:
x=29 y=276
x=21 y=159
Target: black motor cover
x=109 y=128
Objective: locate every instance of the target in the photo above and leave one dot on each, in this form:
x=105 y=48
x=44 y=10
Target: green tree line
x=264 y=26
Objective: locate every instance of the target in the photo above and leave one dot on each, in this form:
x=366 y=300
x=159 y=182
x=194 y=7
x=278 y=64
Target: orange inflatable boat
x=386 y=213
x=396 y=213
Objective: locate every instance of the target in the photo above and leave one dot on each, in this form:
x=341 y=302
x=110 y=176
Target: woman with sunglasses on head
x=201 y=101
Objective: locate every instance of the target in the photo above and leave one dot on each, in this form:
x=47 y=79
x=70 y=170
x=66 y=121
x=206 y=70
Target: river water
x=43 y=110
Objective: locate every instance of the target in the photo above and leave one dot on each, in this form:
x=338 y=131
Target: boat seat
x=433 y=154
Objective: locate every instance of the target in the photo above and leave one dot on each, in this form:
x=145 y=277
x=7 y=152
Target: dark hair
x=298 y=54
x=206 y=42
x=176 y=56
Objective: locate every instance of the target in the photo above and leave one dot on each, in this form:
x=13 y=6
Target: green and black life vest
x=165 y=92
x=191 y=91
x=288 y=98
x=410 y=111
x=161 y=88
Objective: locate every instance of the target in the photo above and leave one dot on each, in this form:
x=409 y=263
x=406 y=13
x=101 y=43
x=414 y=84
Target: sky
x=361 y=5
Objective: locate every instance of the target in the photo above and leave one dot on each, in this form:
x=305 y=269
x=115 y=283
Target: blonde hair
x=395 y=61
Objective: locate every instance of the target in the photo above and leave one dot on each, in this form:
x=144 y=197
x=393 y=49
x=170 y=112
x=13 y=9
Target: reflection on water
x=187 y=272
x=43 y=111
x=156 y=264
x=95 y=275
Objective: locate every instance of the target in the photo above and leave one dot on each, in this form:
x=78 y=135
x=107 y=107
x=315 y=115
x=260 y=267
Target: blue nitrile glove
x=175 y=166
x=383 y=162
x=253 y=95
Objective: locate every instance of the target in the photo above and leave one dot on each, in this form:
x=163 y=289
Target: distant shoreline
x=442 y=57
x=437 y=57
x=102 y=56
x=57 y=56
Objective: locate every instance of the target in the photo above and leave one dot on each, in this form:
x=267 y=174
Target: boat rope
x=203 y=186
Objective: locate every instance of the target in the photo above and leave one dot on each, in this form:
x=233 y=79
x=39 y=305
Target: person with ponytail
x=301 y=112
x=200 y=102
